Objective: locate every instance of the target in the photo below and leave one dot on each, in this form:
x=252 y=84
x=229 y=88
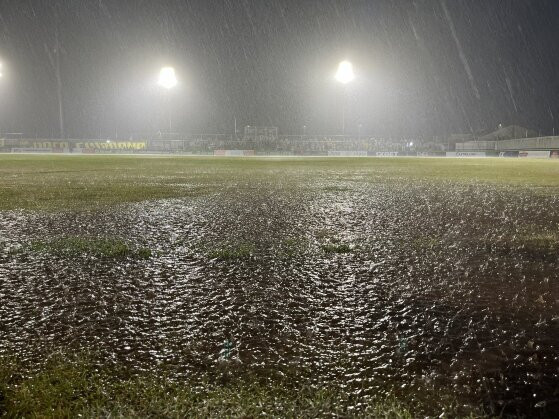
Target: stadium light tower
x=1 y=76
x=345 y=72
x=167 y=80
x=344 y=75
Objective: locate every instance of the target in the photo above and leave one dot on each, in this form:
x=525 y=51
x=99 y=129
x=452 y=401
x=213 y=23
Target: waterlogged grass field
x=183 y=286
x=58 y=183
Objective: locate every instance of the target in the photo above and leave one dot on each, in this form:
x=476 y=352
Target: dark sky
x=424 y=67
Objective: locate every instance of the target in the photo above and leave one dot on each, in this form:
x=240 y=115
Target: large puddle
x=404 y=288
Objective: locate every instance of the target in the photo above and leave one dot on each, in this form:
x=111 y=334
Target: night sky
x=424 y=67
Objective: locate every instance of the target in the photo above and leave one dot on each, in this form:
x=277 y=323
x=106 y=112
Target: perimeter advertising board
x=95 y=146
x=508 y=154
x=233 y=152
x=347 y=153
x=536 y=154
x=386 y=154
x=467 y=154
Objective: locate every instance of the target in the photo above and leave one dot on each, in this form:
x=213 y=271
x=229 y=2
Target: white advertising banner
x=358 y=153
x=233 y=152
x=386 y=154
x=466 y=154
x=535 y=154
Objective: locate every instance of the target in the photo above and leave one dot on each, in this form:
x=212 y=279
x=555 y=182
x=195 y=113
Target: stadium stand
x=505 y=141
x=207 y=144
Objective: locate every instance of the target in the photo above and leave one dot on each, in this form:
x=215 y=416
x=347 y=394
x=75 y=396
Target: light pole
x=344 y=75
x=1 y=76
x=168 y=80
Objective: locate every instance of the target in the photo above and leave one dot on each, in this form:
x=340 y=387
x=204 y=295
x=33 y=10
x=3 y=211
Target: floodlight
x=345 y=72
x=167 y=78
x=1 y=74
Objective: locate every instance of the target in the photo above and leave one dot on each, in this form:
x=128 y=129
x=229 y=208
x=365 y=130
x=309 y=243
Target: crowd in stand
x=290 y=144
x=207 y=144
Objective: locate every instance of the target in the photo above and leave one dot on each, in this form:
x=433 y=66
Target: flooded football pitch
x=383 y=285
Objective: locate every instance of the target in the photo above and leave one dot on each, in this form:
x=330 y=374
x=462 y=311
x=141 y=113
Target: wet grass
x=330 y=244
x=74 y=387
x=547 y=242
x=336 y=248
x=425 y=243
x=100 y=247
x=535 y=244
x=336 y=188
x=56 y=183
x=293 y=247
x=245 y=210
x=323 y=234
x=232 y=252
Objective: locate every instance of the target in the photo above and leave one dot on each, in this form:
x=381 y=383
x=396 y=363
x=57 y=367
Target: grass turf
x=73 y=387
x=79 y=182
x=99 y=247
x=54 y=183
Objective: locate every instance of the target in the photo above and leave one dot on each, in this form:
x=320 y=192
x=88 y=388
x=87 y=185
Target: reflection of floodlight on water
x=345 y=72
x=167 y=78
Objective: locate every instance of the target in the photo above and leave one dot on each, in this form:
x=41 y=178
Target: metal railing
x=518 y=144
x=476 y=146
x=538 y=143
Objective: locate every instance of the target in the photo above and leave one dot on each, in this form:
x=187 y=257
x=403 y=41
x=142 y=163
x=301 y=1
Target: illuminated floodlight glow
x=345 y=72
x=1 y=74
x=167 y=78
